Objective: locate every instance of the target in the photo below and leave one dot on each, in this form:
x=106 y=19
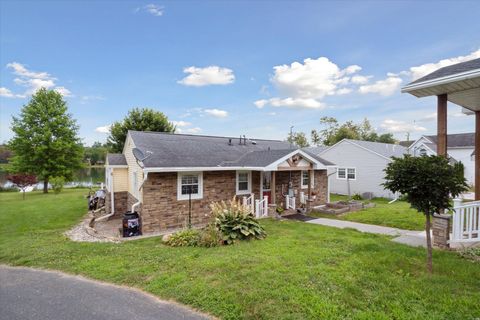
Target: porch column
x=477 y=155
x=273 y=188
x=310 y=180
x=442 y=125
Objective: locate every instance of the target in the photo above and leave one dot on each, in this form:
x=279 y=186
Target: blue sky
x=231 y=68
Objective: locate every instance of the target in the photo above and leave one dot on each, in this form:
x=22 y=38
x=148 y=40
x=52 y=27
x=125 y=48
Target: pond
x=86 y=177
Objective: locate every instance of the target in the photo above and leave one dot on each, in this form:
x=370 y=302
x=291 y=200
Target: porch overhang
x=459 y=84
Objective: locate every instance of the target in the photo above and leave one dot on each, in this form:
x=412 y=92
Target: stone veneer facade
x=161 y=210
x=120 y=203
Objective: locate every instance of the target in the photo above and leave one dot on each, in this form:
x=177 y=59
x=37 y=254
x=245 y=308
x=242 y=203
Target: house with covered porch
x=459 y=84
x=168 y=177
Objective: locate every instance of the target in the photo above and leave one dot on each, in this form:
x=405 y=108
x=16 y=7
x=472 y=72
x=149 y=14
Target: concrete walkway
x=36 y=294
x=408 y=237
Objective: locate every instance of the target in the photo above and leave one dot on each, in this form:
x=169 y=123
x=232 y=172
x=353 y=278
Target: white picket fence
x=466 y=222
x=289 y=202
x=261 y=207
x=249 y=203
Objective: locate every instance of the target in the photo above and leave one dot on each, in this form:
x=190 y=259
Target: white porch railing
x=289 y=202
x=249 y=203
x=261 y=207
x=466 y=222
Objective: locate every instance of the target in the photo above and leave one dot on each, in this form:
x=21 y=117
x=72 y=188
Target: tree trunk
x=45 y=185
x=429 y=243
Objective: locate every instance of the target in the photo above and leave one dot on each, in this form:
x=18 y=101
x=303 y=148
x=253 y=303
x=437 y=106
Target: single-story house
x=161 y=174
x=460 y=148
x=359 y=166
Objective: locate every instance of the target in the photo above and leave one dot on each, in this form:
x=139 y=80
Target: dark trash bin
x=131 y=224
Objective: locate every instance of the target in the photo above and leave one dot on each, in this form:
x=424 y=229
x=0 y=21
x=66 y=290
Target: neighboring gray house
x=359 y=166
x=460 y=148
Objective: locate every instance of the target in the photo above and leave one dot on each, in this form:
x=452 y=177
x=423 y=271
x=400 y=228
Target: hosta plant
x=235 y=222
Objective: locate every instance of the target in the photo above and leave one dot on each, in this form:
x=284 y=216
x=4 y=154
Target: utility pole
x=291 y=137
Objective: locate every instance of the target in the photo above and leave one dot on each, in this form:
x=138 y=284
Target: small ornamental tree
x=22 y=181
x=428 y=184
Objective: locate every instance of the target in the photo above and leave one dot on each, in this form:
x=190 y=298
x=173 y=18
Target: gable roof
x=406 y=144
x=316 y=150
x=450 y=70
x=384 y=150
x=458 y=140
x=169 y=150
x=116 y=159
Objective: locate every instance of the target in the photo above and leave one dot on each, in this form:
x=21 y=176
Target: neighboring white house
x=460 y=147
x=359 y=166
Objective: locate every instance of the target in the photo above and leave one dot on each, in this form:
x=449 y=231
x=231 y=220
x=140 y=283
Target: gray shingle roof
x=116 y=159
x=180 y=150
x=316 y=150
x=451 y=70
x=385 y=149
x=406 y=143
x=459 y=140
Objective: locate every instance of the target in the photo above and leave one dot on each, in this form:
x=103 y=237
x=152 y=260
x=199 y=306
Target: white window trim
x=312 y=175
x=249 y=191
x=181 y=196
x=346 y=173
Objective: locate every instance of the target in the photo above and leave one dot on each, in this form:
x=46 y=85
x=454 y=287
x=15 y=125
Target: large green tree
x=428 y=182
x=95 y=153
x=298 y=138
x=334 y=132
x=45 y=141
x=140 y=120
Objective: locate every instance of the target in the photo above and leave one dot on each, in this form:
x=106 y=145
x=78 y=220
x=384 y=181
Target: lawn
x=300 y=271
x=397 y=215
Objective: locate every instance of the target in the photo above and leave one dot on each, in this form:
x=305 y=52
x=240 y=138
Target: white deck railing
x=289 y=202
x=249 y=203
x=261 y=207
x=466 y=222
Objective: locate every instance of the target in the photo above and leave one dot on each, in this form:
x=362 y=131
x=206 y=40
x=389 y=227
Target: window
x=244 y=181
x=190 y=184
x=306 y=179
x=346 y=173
x=423 y=152
x=351 y=174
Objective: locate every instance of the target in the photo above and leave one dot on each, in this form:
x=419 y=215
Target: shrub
x=57 y=184
x=184 y=238
x=235 y=222
x=357 y=196
x=471 y=254
x=279 y=210
x=210 y=237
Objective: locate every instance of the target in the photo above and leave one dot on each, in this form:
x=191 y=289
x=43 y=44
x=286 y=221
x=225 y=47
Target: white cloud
x=385 y=87
x=424 y=69
x=7 y=93
x=358 y=79
x=305 y=103
x=396 y=126
x=217 y=113
x=212 y=75
x=193 y=130
x=33 y=80
x=181 y=123
x=154 y=9
x=20 y=70
x=428 y=117
x=314 y=78
x=64 y=91
x=104 y=129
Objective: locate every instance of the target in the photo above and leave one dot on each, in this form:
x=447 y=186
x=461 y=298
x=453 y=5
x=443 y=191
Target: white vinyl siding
x=133 y=166
x=189 y=182
x=369 y=174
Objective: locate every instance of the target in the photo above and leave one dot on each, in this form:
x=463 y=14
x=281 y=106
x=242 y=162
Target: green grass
x=300 y=271
x=397 y=215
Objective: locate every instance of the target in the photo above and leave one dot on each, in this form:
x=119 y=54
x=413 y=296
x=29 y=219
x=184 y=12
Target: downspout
x=112 y=196
x=136 y=204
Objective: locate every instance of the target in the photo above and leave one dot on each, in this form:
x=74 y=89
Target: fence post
x=244 y=199
x=257 y=208
x=457 y=202
x=252 y=204
x=287 y=200
x=265 y=205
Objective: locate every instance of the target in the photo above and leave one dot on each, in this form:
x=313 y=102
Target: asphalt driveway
x=36 y=294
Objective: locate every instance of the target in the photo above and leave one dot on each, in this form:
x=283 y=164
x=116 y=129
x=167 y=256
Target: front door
x=266 y=182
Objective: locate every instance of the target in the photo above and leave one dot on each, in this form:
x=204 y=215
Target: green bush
x=471 y=254
x=235 y=222
x=357 y=197
x=57 y=184
x=184 y=238
x=210 y=237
